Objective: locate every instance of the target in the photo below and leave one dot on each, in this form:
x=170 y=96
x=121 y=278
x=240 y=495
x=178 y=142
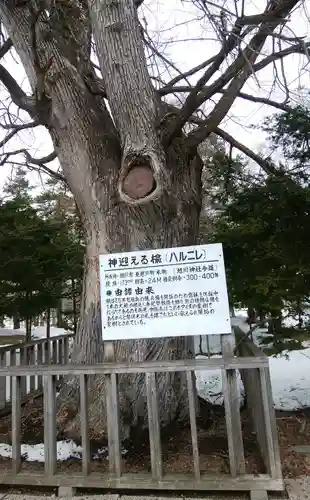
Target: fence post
x=47 y=352
x=31 y=361
x=23 y=361
x=84 y=423
x=16 y=414
x=12 y=363
x=54 y=352
x=154 y=425
x=113 y=416
x=232 y=410
x=2 y=381
x=274 y=460
x=191 y=389
x=50 y=444
x=40 y=362
x=66 y=350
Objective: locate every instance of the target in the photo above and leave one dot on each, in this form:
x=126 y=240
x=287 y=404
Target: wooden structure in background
x=37 y=352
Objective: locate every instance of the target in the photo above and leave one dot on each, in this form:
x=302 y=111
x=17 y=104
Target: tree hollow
x=139 y=182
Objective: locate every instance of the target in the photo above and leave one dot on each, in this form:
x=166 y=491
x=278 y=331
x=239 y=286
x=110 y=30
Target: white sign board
x=171 y=292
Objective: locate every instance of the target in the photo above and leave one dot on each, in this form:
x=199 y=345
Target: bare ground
x=293 y=429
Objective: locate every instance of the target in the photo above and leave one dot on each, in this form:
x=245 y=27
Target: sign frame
x=188 y=285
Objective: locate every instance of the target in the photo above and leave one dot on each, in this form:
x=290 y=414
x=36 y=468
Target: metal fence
x=253 y=365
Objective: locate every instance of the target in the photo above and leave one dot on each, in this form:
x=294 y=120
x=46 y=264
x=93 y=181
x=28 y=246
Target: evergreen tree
x=264 y=226
x=18 y=185
x=56 y=204
x=36 y=259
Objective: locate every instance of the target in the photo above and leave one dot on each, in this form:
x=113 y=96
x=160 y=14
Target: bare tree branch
x=217 y=86
x=18 y=96
x=37 y=164
x=148 y=42
x=231 y=93
x=39 y=161
x=138 y=3
x=241 y=95
x=299 y=48
x=239 y=70
x=6 y=47
x=263 y=100
x=265 y=164
x=192 y=102
x=189 y=73
x=15 y=130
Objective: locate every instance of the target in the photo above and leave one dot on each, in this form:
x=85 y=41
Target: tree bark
x=59 y=315
x=171 y=221
x=28 y=329
x=96 y=158
x=74 y=306
x=16 y=322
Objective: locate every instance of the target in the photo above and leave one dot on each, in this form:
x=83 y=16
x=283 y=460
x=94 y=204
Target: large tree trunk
x=98 y=161
x=171 y=221
x=16 y=322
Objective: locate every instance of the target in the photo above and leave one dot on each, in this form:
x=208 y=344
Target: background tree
x=56 y=204
x=17 y=186
x=37 y=258
x=133 y=166
x=264 y=225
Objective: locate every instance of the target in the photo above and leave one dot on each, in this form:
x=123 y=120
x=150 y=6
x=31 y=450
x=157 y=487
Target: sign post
x=164 y=293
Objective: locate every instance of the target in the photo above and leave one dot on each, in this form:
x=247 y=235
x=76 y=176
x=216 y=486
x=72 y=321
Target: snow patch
x=39 y=332
x=65 y=450
x=35 y=452
x=290 y=380
x=209 y=385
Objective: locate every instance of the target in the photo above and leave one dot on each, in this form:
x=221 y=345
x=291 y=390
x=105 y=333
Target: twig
x=191 y=72
x=239 y=71
x=16 y=129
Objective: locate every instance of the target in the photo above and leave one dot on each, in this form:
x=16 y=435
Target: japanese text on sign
x=164 y=293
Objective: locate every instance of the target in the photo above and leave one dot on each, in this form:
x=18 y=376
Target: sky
x=185 y=38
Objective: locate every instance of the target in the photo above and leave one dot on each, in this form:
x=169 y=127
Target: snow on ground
x=65 y=451
x=39 y=332
x=290 y=373
x=8 y=332
x=290 y=380
x=35 y=452
x=209 y=385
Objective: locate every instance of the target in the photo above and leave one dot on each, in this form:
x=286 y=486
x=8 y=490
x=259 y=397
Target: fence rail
x=34 y=353
x=253 y=366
